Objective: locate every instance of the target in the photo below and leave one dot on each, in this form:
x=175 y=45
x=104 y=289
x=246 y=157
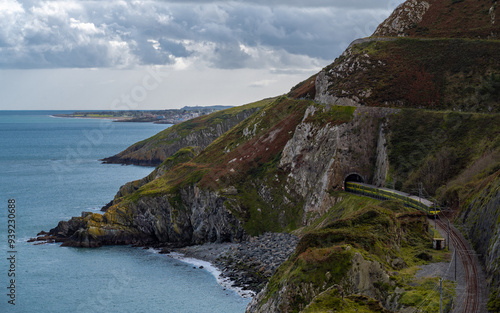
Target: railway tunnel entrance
x=353 y=177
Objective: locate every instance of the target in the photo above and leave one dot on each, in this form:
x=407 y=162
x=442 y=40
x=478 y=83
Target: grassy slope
x=435 y=148
x=436 y=74
x=243 y=158
x=380 y=231
x=458 y=19
x=457 y=157
x=183 y=155
x=151 y=148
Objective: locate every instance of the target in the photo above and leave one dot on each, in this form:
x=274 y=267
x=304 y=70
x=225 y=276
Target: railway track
x=471 y=300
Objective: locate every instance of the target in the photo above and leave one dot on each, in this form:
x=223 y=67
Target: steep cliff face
x=328 y=145
x=481 y=219
x=194 y=217
x=198 y=132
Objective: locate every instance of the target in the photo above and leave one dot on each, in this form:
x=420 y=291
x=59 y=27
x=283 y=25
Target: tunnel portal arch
x=353 y=177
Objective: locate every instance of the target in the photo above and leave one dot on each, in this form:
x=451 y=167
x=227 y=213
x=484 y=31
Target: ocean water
x=50 y=167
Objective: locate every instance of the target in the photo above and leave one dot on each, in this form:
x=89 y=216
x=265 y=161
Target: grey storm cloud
x=220 y=34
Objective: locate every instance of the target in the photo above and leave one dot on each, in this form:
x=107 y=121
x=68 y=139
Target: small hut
x=438 y=243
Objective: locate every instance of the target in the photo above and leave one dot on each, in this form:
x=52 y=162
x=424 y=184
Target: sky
x=140 y=55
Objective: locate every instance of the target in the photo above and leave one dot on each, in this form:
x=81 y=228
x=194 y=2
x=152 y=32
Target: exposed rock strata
x=382 y=158
x=154 y=220
x=319 y=158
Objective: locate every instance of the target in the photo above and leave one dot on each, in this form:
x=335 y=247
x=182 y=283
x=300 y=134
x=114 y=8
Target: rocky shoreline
x=249 y=264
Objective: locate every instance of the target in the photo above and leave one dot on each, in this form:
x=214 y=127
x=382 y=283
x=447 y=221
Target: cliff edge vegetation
x=197 y=132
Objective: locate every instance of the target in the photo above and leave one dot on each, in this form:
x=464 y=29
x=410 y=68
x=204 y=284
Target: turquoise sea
x=50 y=167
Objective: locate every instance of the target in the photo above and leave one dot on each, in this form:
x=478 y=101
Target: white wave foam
x=209 y=267
x=94 y=209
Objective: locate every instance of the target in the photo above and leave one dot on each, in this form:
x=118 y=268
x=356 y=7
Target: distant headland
x=170 y=116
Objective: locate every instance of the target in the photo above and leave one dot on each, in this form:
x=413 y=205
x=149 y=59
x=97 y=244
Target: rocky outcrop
x=94 y=230
x=197 y=217
x=442 y=19
x=349 y=64
x=320 y=156
x=404 y=18
x=362 y=278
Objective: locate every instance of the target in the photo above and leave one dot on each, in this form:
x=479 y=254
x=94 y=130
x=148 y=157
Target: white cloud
x=88 y=53
x=10 y=32
x=119 y=52
x=88 y=28
x=60 y=34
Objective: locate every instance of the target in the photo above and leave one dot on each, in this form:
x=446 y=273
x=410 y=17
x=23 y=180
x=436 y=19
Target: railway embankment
x=471 y=293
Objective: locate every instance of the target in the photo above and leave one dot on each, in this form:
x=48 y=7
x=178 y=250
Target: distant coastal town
x=171 y=116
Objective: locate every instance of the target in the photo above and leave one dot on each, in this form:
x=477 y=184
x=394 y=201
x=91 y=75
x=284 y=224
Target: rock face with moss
x=481 y=218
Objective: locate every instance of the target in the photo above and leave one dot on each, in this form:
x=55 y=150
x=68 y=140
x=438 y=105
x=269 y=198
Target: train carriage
x=415 y=202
